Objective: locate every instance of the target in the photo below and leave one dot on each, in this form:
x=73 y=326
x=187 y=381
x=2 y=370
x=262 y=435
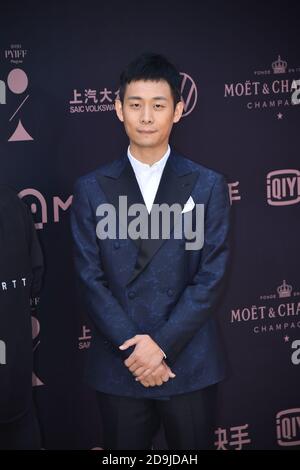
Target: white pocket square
x=189 y=205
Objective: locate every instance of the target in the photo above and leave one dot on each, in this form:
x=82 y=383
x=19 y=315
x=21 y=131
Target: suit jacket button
x=131 y=294
x=116 y=245
x=170 y=292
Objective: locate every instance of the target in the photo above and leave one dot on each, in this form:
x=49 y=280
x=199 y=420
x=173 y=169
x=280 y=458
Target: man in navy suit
x=155 y=355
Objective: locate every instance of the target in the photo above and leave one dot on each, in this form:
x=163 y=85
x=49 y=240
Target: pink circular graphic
x=35 y=327
x=17 y=81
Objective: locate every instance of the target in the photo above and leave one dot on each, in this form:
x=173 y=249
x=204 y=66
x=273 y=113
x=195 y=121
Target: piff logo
x=17 y=82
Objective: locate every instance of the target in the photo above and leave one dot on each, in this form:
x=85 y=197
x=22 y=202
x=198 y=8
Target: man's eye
x=159 y=106
x=134 y=105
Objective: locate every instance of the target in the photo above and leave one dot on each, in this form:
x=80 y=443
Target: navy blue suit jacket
x=154 y=287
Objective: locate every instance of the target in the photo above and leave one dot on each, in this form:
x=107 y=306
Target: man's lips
x=146 y=132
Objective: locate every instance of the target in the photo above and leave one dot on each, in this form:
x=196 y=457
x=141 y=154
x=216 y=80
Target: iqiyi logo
x=17 y=83
x=2 y=352
x=283 y=187
x=288 y=427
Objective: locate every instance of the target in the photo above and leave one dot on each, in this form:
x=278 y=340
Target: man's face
x=148 y=112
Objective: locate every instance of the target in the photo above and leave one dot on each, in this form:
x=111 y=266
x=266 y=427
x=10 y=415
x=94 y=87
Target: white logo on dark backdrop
x=15 y=54
x=85 y=338
x=9 y=284
x=189 y=93
x=273 y=92
x=234 y=438
x=93 y=100
x=283 y=187
x=280 y=317
x=17 y=83
x=39 y=207
x=288 y=427
x=234 y=194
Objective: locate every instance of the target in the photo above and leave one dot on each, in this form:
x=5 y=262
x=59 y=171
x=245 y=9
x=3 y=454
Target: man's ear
x=119 y=109
x=178 y=111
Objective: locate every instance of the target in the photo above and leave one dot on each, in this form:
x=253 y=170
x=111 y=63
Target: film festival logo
x=188 y=222
x=283 y=187
x=274 y=88
x=288 y=427
x=39 y=207
x=282 y=316
x=91 y=100
x=17 y=83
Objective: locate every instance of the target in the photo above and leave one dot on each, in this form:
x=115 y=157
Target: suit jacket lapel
x=175 y=186
x=121 y=182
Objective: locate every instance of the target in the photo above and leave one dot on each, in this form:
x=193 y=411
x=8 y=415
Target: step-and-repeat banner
x=240 y=66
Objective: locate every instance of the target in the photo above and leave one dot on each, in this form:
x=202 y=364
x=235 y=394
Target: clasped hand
x=146 y=361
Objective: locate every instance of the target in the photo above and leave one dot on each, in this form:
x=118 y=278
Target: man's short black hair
x=151 y=66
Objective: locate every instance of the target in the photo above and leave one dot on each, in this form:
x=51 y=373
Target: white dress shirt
x=148 y=178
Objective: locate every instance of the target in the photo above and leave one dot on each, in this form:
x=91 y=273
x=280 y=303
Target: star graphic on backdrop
x=286 y=338
x=279 y=116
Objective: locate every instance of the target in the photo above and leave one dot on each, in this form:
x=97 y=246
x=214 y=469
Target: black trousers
x=131 y=423
x=21 y=434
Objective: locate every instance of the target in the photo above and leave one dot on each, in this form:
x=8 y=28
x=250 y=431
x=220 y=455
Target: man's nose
x=146 y=115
